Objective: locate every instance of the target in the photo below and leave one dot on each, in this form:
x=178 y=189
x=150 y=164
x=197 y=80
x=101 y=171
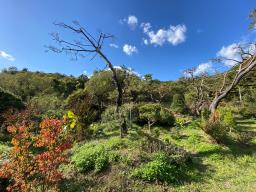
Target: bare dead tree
x=242 y=67
x=87 y=45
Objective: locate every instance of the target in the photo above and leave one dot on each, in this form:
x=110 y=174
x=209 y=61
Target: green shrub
x=178 y=103
x=180 y=122
x=194 y=139
x=161 y=168
x=47 y=105
x=154 y=113
x=116 y=143
x=166 y=117
x=229 y=120
x=101 y=162
x=97 y=156
x=227 y=116
x=215 y=128
x=9 y=100
x=89 y=158
x=82 y=104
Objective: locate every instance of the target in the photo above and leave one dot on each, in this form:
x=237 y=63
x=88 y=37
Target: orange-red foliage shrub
x=35 y=158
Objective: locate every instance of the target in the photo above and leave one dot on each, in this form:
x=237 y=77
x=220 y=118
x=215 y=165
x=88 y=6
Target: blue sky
x=182 y=34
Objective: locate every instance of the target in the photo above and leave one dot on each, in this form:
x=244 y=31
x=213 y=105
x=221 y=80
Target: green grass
x=224 y=168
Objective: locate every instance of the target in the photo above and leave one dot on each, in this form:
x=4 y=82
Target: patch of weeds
x=245 y=160
x=193 y=139
x=95 y=157
x=161 y=168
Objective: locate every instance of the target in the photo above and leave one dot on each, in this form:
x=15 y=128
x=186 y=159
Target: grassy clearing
x=229 y=167
x=224 y=168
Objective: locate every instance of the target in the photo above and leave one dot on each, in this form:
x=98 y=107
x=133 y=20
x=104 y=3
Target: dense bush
x=178 y=103
x=150 y=113
x=215 y=128
x=96 y=156
x=34 y=159
x=47 y=105
x=227 y=115
x=154 y=113
x=166 y=117
x=160 y=168
x=9 y=100
x=83 y=106
x=91 y=158
x=229 y=120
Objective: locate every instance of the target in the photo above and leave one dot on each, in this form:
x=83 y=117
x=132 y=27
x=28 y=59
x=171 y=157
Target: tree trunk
x=240 y=96
x=118 y=85
x=240 y=74
x=216 y=101
x=123 y=127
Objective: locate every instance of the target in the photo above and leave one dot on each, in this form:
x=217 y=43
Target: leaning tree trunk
x=250 y=64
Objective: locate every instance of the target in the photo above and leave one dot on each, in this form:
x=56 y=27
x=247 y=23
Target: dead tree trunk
x=91 y=45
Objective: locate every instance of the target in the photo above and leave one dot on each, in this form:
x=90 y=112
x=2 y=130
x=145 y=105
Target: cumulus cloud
x=203 y=68
x=230 y=54
x=114 y=45
x=6 y=56
x=145 y=26
x=131 y=20
x=173 y=35
x=129 y=49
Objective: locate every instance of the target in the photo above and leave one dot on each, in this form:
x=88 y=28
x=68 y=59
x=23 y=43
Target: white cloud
x=6 y=56
x=132 y=72
x=114 y=45
x=145 y=41
x=129 y=70
x=229 y=53
x=173 y=35
x=132 y=21
x=145 y=27
x=129 y=49
x=203 y=68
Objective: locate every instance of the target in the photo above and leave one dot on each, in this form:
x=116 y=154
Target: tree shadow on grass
x=240 y=149
x=197 y=172
x=234 y=149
